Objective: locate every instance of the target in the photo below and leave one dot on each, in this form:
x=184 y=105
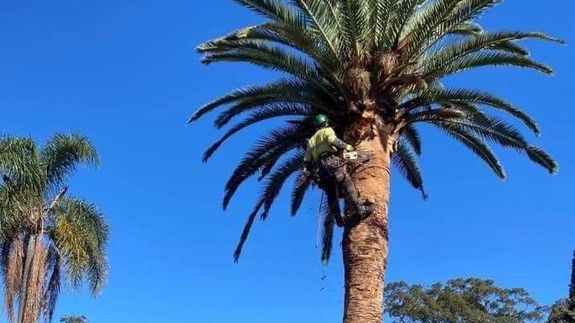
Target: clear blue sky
x=125 y=73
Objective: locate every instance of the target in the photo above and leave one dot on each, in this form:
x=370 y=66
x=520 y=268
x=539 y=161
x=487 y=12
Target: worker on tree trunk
x=322 y=159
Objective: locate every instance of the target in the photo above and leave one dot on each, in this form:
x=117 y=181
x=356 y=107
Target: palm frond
x=324 y=21
x=402 y=11
x=476 y=145
x=63 y=153
x=380 y=12
x=20 y=162
x=301 y=185
x=411 y=135
x=539 y=156
x=246 y=231
x=277 y=179
x=272 y=57
x=52 y=284
x=405 y=162
x=458 y=96
x=256 y=117
x=486 y=58
x=80 y=234
x=328 y=223
x=274 y=145
x=282 y=91
x=469 y=45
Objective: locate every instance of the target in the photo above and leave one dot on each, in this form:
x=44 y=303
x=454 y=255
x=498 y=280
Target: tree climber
x=321 y=158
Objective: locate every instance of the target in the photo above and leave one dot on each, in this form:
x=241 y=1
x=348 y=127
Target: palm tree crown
x=370 y=65
x=47 y=237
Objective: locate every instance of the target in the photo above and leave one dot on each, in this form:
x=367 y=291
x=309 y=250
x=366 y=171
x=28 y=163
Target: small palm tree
x=46 y=237
x=375 y=67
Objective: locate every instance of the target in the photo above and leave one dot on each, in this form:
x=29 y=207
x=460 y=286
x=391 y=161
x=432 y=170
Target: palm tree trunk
x=29 y=255
x=365 y=245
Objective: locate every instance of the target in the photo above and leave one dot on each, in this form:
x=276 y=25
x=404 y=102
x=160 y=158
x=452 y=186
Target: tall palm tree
x=375 y=67
x=46 y=237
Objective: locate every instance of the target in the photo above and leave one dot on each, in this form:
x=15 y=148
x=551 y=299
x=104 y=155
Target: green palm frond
x=246 y=230
x=542 y=158
x=476 y=145
x=277 y=179
x=354 y=28
x=412 y=137
x=486 y=58
x=272 y=188
x=279 y=91
x=63 y=153
x=20 y=162
x=328 y=224
x=80 y=234
x=325 y=23
x=467 y=28
x=492 y=40
x=271 y=147
x=272 y=57
x=421 y=30
x=380 y=12
x=465 y=96
x=274 y=10
x=273 y=111
x=405 y=161
x=301 y=185
x=402 y=11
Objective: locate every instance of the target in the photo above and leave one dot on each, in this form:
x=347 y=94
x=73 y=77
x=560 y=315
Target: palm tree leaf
x=539 y=156
x=63 y=153
x=487 y=58
x=405 y=161
x=52 y=286
x=324 y=21
x=476 y=145
x=469 y=45
x=328 y=223
x=274 y=145
x=282 y=90
x=256 y=117
x=271 y=57
x=301 y=185
x=277 y=179
x=457 y=96
x=80 y=234
x=412 y=137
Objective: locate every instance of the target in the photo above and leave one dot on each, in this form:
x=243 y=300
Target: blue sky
x=125 y=73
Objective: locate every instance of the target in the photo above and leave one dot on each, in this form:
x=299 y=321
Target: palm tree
x=375 y=67
x=46 y=237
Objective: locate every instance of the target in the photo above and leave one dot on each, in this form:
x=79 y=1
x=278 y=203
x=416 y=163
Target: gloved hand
x=349 y=148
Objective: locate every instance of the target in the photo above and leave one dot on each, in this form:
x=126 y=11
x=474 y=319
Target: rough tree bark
x=365 y=246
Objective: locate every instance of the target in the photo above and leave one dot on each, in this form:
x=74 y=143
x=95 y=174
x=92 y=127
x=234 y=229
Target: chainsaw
x=356 y=156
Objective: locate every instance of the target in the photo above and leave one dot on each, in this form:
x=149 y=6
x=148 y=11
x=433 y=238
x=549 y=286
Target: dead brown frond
x=13 y=274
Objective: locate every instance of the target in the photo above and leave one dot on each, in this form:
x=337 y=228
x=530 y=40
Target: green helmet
x=320 y=120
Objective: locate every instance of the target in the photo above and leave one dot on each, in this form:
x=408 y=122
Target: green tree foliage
x=564 y=310
x=376 y=64
x=460 y=300
x=46 y=237
x=74 y=319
